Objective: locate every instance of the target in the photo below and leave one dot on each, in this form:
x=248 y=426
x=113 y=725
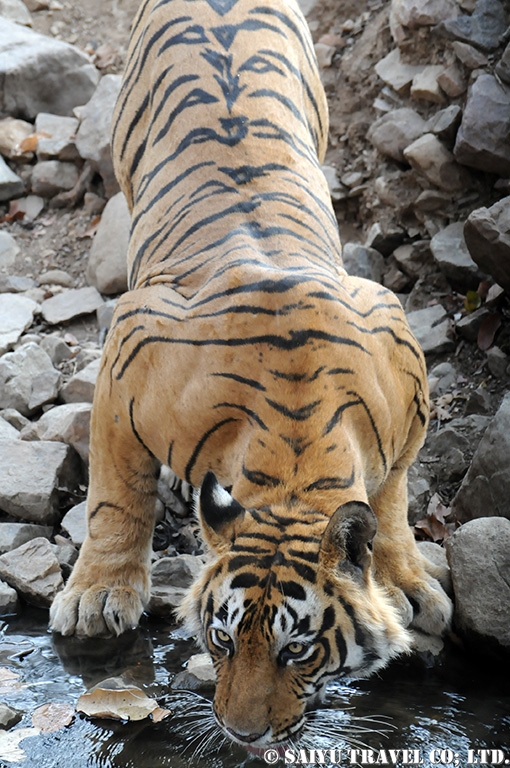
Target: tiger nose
x=248 y=738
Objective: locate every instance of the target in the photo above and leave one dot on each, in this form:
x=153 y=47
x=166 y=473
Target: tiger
x=291 y=395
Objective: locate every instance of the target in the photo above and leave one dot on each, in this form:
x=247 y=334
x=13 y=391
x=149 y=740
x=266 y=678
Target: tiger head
x=286 y=604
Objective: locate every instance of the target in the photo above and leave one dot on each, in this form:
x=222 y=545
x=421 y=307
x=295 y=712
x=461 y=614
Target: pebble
x=69 y=304
x=9 y=717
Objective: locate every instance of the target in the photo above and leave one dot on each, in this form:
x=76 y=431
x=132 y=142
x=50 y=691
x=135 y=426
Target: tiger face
x=283 y=608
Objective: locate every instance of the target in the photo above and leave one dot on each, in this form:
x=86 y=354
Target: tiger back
x=245 y=358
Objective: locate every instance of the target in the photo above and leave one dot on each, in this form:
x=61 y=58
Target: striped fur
x=243 y=348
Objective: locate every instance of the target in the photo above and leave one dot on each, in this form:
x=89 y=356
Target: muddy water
x=438 y=712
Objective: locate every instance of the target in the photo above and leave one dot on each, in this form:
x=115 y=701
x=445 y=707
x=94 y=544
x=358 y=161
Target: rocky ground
x=419 y=172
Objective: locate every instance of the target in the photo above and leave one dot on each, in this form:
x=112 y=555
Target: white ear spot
x=221 y=497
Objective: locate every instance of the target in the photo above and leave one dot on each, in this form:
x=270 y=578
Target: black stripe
x=299 y=414
x=242 y=380
x=205 y=437
x=261 y=478
x=331 y=483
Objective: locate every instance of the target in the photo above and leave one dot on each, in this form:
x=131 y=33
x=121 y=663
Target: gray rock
x=425 y=86
x=9 y=604
x=34 y=571
x=452 y=81
x=59 y=141
x=487 y=235
x=485 y=489
x=12 y=133
x=384 y=238
x=69 y=423
x=422 y=13
x=11 y=185
x=164 y=600
x=479 y=558
x=107 y=265
x=469 y=56
x=432 y=329
x=469 y=325
x=80 y=387
x=198 y=675
x=75 y=523
x=482 y=139
x=445 y=123
x=361 y=261
x=56 y=277
x=503 y=66
x=432 y=160
x=479 y=402
x=104 y=314
x=442 y=377
x=56 y=348
x=41 y=74
x=395 y=73
x=497 y=362
x=453 y=449
x=453 y=259
x=336 y=189
x=14 y=417
x=415 y=259
x=13 y=535
x=32 y=476
x=32 y=205
x=7 y=431
x=393 y=132
x=15 y=284
x=15 y=10
x=69 y=304
x=418 y=492
x=93 y=138
x=50 y=177
x=9 y=249
x=483 y=28
x=9 y=716
x=180 y=571
x=16 y=315
x=28 y=379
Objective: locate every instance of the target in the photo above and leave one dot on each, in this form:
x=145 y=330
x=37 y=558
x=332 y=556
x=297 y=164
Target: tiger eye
x=295 y=648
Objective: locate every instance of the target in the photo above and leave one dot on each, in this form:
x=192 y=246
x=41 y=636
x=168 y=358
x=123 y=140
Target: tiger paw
x=96 y=611
x=433 y=609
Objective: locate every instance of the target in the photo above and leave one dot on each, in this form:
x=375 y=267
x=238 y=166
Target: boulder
x=484 y=28
x=11 y=185
x=479 y=558
x=432 y=160
x=487 y=236
x=69 y=304
x=15 y=10
x=33 y=570
x=93 y=138
x=485 y=489
x=69 y=423
x=80 y=387
x=32 y=477
x=107 y=265
x=16 y=316
x=393 y=132
x=453 y=258
x=13 y=535
x=51 y=177
x=41 y=74
x=28 y=379
x=431 y=327
x=482 y=139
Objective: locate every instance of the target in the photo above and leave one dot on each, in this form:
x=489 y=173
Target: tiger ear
x=218 y=512
x=346 y=542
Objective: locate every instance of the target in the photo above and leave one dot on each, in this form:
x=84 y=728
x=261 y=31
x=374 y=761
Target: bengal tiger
x=247 y=360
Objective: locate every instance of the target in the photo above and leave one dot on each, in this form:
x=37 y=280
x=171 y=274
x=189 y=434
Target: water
x=438 y=711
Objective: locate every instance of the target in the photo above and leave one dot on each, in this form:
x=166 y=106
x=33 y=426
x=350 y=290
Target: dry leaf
x=91 y=229
x=10 y=752
x=14 y=214
x=29 y=143
x=433 y=525
x=113 y=698
x=52 y=716
x=472 y=301
x=160 y=714
x=487 y=332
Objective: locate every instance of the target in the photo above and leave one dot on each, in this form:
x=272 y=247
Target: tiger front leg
x=110 y=584
x=409 y=578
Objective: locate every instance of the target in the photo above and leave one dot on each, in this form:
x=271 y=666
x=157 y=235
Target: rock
x=482 y=139
x=487 y=235
x=104 y=314
x=93 y=138
x=469 y=56
x=452 y=81
x=164 y=600
x=7 y=431
x=69 y=423
x=13 y=535
x=422 y=13
x=34 y=571
x=56 y=348
x=324 y=54
x=432 y=329
x=107 y=265
x=483 y=28
x=415 y=259
x=69 y=304
x=12 y=133
x=93 y=204
x=384 y=239
x=497 y=362
x=503 y=66
x=418 y=492
x=9 y=249
x=479 y=558
x=198 y=675
x=485 y=489
x=14 y=418
x=393 y=132
x=453 y=259
x=442 y=377
x=453 y=448
x=395 y=73
x=33 y=70
x=432 y=160
x=15 y=10
x=15 y=284
x=80 y=387
x=425 y=85
x=478 y=402
x=9 y=717
x=445 y=123
x=67 y=555
x=180 y=571
x=362 y=261
x=56 y=277
x=75 y=523
x=11 y=185
x=28 y=379
x=469 y=325
x=60 y=140
x=51 y=177
x=32 y=476
x=9 y=604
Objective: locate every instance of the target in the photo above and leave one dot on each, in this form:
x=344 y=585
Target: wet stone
x=33 y=570
x=9 y=717
x=198 y=675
